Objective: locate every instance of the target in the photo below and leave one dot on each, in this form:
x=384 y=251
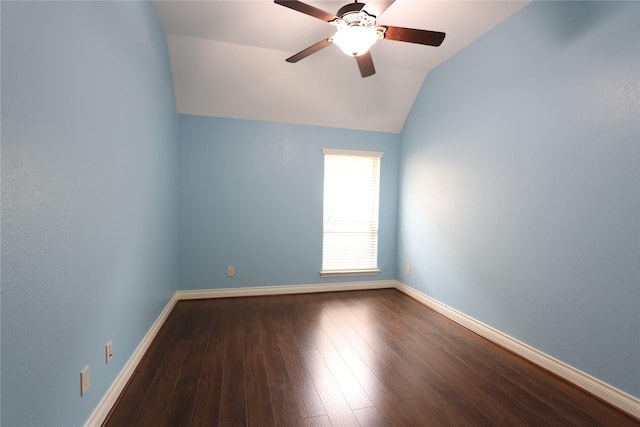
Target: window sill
x=338 y=273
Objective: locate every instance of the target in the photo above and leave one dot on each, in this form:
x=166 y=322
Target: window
x=350 y=212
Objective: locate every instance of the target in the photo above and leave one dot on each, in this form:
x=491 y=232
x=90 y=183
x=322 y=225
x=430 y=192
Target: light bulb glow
x=355 y=40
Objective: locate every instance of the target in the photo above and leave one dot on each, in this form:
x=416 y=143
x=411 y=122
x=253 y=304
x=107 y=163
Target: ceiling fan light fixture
x=357 y=31
x=354 y=40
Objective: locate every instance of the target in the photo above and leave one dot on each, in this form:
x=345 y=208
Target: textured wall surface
x=251 y=197
x=518 y=167
x=89 y=199
x=520 y=184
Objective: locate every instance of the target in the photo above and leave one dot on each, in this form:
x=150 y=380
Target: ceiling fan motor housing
x=350 y=8
x=352 y=14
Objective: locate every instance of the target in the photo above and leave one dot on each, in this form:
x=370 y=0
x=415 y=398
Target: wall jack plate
x=84 y=380
x=231 y=271
x=108 y=351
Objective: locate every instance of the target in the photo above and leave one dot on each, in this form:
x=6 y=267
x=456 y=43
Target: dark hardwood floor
x=365 y=358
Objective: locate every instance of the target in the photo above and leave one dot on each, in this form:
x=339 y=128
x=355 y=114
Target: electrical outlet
x=407 y=270
x=84 y=380
x=108 y=351
x=231 y=271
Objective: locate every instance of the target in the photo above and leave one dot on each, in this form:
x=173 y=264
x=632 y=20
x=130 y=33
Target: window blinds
x=350 y=212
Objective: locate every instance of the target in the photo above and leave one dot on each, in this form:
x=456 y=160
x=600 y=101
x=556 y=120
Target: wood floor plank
x=302 y=332
x=373 y=385
x=332 y=308
x=516 y=397
x=470 y=413
x=492 y=404
x=131 y=400
x=338 y=409
x=477 y=373
x=155 y=405
x=320 y=421
x=523 y=413
x=285 y=407
x=387 y=320
x=342 y=375
x=433 y=412
x=546 y=404
x=180 y=405
x=381 y=396
x=464 y=384
x=390 y=370
x=309 y=401
x=546 y=386
x=359 y=321
x=206 y=411
x=258 y=397
x=369 y=417
x=233 y=403
x=355 y=358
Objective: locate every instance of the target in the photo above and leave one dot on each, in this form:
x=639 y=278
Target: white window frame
x=354 y=230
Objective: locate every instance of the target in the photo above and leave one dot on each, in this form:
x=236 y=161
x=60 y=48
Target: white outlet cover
x=108 y=351
x=84 y=380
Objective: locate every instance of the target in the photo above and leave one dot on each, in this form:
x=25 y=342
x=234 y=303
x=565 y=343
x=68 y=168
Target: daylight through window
x=350 y=212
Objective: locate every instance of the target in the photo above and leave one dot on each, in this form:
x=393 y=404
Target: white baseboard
x=602 y=390
x=101 y=411
x=598 y=388
x=284 y=290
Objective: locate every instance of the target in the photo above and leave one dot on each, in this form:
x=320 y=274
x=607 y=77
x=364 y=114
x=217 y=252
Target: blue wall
x=519 y=193
x=520 y=196
x=89 y=199
x=251 y=197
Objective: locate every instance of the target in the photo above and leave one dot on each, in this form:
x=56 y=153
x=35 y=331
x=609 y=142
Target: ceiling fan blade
x=306 y=9
x=308 y=51
x=377 y=7
x=430 y=38
x=365 y=63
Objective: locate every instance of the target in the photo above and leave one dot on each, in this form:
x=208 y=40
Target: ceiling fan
x=357 y=31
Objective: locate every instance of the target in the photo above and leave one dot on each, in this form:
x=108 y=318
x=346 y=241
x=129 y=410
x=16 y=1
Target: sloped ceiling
x=228 y=60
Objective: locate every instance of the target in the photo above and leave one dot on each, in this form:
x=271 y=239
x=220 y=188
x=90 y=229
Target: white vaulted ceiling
x=228 y=60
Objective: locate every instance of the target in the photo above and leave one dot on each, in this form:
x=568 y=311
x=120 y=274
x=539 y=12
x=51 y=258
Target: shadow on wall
x=572 y=23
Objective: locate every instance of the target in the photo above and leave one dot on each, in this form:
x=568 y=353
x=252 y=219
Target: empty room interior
x=167 y=162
